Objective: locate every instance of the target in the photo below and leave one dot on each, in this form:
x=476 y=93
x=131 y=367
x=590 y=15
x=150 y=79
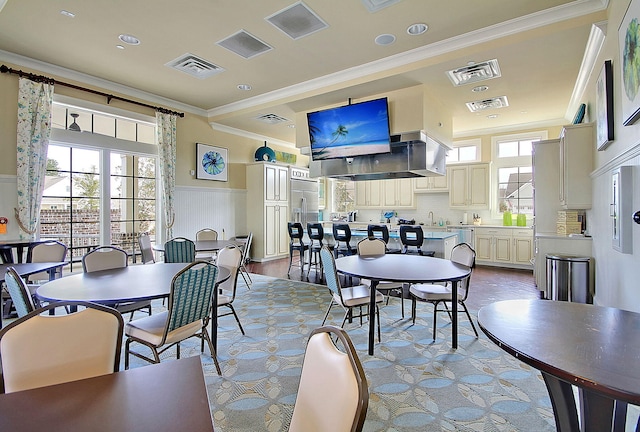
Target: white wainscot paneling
x=219 y=209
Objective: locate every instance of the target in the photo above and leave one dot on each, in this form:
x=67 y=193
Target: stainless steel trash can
x=570 y=278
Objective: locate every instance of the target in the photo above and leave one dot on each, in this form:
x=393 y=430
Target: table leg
x=454 y=314
x=372 y=315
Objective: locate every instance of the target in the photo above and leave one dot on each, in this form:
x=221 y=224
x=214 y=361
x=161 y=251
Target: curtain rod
x=44 y=79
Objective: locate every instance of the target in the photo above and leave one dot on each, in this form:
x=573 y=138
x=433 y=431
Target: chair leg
x=413 y=310
x=290 y=261
x=435 y=316
x=126 y=353
x=178 y=350
x=469 y=316
x=328 y=310
x=378 y=318
x=205 y=336
x=236 y=316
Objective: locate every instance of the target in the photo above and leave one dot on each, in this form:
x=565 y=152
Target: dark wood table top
x=402 y=268
x=26 y=269
x=585 y=345
x=169 y=396
x=132 y=283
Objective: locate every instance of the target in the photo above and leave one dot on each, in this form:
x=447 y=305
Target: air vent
x=474 y=73
x=244 y=44
x=297 y=21
x=485 y=104
x=375 y=5
x=271 y=119
x=195 y=66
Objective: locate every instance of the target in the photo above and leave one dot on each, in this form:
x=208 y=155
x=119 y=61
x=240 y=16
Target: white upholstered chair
x=230 y=257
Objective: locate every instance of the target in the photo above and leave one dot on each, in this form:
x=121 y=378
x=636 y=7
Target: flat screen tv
x=350 y=130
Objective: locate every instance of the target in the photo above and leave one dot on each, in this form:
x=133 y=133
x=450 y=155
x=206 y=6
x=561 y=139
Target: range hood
x=413 y=154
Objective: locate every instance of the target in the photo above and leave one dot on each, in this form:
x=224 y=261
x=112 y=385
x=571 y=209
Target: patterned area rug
x=415 y=383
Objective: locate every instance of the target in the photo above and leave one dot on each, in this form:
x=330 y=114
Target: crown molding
x=43 y=67
x=243 y=133
x=511 y=128
x=517 y=25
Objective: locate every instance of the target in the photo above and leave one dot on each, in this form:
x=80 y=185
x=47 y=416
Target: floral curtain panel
x=167 y=150
x=34 y=129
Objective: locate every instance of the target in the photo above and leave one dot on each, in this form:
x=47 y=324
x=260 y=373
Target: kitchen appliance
x=303 y=196
x=465 y=234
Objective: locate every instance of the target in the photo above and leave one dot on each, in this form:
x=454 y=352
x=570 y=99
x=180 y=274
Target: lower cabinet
x=276 y=236
x=506 y=247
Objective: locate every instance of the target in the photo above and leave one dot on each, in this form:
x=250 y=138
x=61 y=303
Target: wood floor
x=488 y=284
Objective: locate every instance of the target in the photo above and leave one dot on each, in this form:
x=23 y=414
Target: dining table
x=168 y=396
x=593 y=348
x=406 y=269
x=128 y=284
x=205 y=245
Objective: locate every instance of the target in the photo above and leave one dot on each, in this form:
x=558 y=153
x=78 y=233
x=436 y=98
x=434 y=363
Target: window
x=343 y=196
x=464 y=151
x=100 y=186
x=513 y=172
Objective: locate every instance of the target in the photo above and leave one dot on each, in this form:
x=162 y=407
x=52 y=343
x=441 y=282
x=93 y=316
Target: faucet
x=431 y=217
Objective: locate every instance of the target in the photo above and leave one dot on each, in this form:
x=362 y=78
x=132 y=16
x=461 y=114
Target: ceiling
x=539 y=45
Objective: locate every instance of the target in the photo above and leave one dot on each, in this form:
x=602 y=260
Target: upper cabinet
x=469 y=186
x=368 y=194
x=276 y=182
x=431 y=184
x=389 y=194
x=576 y=164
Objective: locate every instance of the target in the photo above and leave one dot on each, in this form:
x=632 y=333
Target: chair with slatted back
x=188 y=314
x=108 y=258
x=19 y=292
x=179 y=250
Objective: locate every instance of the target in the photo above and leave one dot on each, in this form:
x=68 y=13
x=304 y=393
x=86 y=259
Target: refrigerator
x=303 y=196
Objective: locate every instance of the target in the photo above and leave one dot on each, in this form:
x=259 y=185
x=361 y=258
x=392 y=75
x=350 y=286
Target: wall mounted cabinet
x=469 y=186
x=384 y=194
x=431 y=184
x=576 y=164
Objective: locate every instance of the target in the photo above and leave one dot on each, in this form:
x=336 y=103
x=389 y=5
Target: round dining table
x=205 y=245
x=406 y=269
x=128 y=284
x=573 y=344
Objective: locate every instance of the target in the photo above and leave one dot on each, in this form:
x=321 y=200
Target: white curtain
x=166 y=124
x=34 y=129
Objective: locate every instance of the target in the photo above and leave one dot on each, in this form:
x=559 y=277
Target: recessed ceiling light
x=492 y=116
x=245 y=87
x=129 y=39
x=119 y=46
x=417 y=29
x=385 y=39
x=67 y=13
x=479 y=89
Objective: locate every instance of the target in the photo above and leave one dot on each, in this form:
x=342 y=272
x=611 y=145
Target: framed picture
x=211 y=162
x=628 y=40
x=604 y=107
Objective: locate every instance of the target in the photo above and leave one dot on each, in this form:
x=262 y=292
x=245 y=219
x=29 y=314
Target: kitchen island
x=441 y=242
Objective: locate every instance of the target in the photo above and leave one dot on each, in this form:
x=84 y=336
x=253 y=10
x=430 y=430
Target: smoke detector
x=475 y=72
x=485 y=104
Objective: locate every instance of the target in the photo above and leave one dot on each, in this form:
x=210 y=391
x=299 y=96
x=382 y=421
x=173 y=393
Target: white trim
x=8 y=178
x=239 y=132
x=103 y=109
x=203 y=188
x=624 y=157
x=98 y=141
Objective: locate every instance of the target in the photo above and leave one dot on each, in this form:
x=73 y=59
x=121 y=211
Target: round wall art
x=211 y=162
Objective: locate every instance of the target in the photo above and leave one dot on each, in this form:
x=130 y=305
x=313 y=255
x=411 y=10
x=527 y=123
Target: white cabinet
x=576 y=163
x=431 y=184
x=507 y=247
x=386 y=194
x=469 y=186
x=268 y=210
x=397 y=193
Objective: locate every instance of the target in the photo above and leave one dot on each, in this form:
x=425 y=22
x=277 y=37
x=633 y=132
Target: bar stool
x=296 y=244
x=315 y=231
x=342 y=236
x=412 y=236
x=382 y=232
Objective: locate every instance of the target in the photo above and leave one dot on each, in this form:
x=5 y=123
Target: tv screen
x=351 y=130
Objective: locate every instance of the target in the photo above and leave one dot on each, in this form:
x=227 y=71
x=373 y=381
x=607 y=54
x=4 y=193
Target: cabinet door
x=404 y=193
x=522 y=250
x=281 y=228
x=271 y=230
x=389 y=193
x=422 y=184
x=276 y=183
x=458 y=187
x=439 y=183
x=478 y=186
x=283 y=185
x=502 y=245
x=484 y=247
x=362 y=194
x=368 y=193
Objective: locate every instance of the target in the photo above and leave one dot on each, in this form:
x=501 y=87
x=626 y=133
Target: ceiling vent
x=297 y=21
x=474 y=73
x=195 y=66
x=271 y=119
x=244 y=44
x=485 y=104
x=375 y=5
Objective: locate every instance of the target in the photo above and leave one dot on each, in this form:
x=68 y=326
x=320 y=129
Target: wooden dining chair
x=187 y=315
x=333 y=394
x=39 y=349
